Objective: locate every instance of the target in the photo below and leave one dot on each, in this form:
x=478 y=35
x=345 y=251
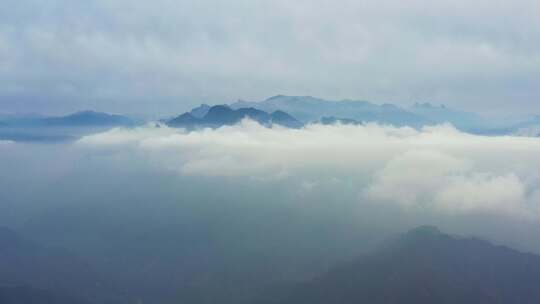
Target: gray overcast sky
x=164 y=56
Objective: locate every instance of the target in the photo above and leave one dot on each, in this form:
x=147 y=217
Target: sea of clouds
x=437 y=168
x=280 y=191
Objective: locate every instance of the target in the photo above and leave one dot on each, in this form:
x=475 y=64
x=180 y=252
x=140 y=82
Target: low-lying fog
x=147 y=203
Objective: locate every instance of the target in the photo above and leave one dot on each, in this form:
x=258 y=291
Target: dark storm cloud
x=163 y=56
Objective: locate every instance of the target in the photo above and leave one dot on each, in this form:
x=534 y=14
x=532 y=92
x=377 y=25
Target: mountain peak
x=220 y=115
x=425 y=230
x=421 y=235
x=87 y=118
x=200 y=111
x=219 y=108
x=277 y=97
x=429 y=267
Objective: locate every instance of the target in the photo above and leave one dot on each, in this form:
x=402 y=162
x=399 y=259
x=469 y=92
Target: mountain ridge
x=84 y=118
x=427 y=266
x=222 y=115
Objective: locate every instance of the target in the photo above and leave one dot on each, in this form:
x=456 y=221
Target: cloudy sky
x=163 y=56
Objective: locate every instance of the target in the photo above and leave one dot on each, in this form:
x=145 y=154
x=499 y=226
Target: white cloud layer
x=438 y=168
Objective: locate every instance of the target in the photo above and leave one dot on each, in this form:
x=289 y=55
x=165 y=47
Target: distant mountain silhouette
x=309 y=109
x=184 y=120
x=284 y=119
x=222 y=115
x=427 y=266
x=530 y=127
x=87 y=118
x=527 y=127
x=77 y=119
x=200 y=111
x=442 y=114
x=31 y=128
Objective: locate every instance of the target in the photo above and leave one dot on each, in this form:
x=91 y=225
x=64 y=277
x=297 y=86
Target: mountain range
x=36 y=128
x=77 y=119
x=295 y=111
x=442 y=114
x=426 y=266
x=221 y=115
x=310 y=109
x=285 y=111
x=423 y=265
